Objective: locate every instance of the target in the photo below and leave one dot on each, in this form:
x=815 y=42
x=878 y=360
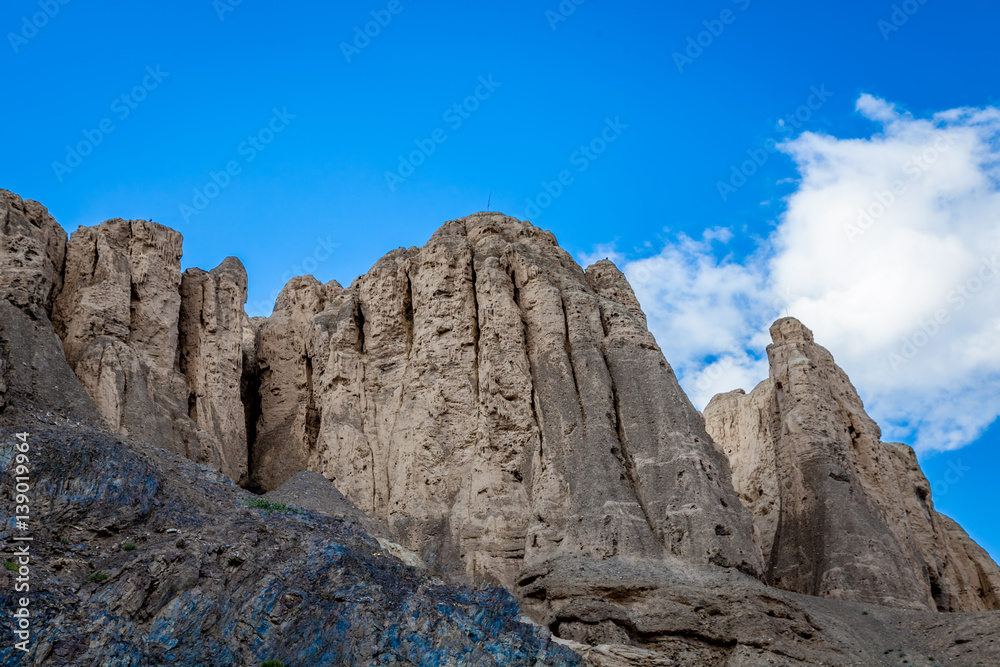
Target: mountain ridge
x=508 y=418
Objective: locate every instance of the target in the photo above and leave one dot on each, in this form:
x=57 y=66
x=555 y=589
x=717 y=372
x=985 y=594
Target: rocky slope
x=140 y=557
x=486 y=409
x=809 y=463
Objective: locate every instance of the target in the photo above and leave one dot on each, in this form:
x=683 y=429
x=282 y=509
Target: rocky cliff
x=480 y=408
x=140 y=557
x=809 y=464
x=494 y=405
x=159 y=353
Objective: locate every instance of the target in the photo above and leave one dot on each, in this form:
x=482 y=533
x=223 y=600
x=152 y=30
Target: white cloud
x=886 y=250
x=701 y=309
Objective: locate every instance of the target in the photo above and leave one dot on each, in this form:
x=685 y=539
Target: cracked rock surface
x=480 y=409
x=495 y=405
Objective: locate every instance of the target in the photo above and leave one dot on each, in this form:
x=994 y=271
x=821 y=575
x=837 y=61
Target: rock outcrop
x=160 y=355
x=32 y=365
x=482 y=401
x=838 y=513
x=211 y=338
x=32 y=254
x=495 y=406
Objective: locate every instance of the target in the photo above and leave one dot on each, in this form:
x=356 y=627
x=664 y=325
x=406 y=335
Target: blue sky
x=309 y=130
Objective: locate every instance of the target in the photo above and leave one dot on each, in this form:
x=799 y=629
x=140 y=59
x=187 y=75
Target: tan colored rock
x=287 y=425
x=32 y=253
x=739 y=422
x=838 y=512
x=508 y=416
x=494 y=406
x=961 y=575
x=212 y=355
x=118 y=316
x=122 y=282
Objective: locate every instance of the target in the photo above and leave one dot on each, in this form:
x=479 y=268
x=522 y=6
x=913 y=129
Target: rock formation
x=838 y=513
x=160 y=355
x=211 y=339
x=482 y=401
x=32 y=365
x=494 y=406
x=32 y=254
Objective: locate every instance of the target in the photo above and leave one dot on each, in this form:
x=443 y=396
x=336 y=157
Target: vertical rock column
x=119 y=318
x=32 y=254
x=211 y=358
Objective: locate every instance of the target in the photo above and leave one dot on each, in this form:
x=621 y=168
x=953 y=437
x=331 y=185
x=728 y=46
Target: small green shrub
x=864 y=613
x=129 y=546
x=267 y=505
x=10 y=565
x=98 y=576
x=63 y=540
x=272 y=663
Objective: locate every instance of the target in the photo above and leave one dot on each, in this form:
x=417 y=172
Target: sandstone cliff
x=159 y=354
x=494 y=405
x=839 y=513
x=489 y=405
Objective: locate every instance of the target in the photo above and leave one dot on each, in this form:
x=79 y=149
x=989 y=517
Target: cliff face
x=809 y=464
x=32 y=254
x=494 y=405
x=483 y=396
x=489 y=405
x=159 y=354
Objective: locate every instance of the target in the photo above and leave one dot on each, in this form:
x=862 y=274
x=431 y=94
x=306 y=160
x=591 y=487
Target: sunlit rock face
x=494 y=405
x=160 y=353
